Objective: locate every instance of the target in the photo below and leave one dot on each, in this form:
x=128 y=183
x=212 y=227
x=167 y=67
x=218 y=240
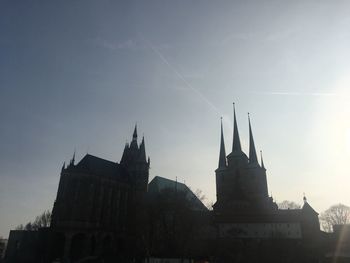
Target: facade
x=244 y=209
x=3 y=244
x=95 y=198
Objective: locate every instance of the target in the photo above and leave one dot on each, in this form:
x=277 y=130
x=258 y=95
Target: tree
x=19 y=227
x=42 y=220
x=338 y=214
x=202 y=197
x=199 y=194
x=288 y=205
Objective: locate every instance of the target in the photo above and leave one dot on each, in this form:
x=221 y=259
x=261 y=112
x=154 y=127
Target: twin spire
x=236 y=145
x=253 y=159
x=222 y=157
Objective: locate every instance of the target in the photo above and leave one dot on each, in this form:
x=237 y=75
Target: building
x=107 y=211
x=245 y=213
x=161 y=184
x=338 y=249
x=3 y=244
x=94 y=201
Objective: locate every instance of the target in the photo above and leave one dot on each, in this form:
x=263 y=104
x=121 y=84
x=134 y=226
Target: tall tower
x=134 y=160
x=241 y=184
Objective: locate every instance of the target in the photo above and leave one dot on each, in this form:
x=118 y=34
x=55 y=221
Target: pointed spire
x=304 y=198
x=73 y=159
x=134 y=136
x=142 y=150
x=262 y=161
x=236 y=145
x=133 y=144
x=222 y=157
x=125 y=153
x=253 y=159
x=63 y=166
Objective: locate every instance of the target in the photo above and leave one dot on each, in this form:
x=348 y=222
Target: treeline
x=42 y=220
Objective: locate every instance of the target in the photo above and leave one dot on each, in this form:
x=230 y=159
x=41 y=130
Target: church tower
x=241 y=184
x=134 y=160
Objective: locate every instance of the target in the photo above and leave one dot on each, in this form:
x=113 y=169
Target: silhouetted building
x=244 y=212
x=107 y=211
x=3 y=244
x=338 y=249
x=94 y=201
x=161 y=184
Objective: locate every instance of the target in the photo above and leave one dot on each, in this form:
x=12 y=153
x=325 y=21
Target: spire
x=73 y=159
x=125 y=153
x=63 y=167
x=236 y=145
x=133 y=144
x=262 y=161
x=142 y=150
x=134 y=136
x=252 y=152
x=222 y=157
x=304 y=199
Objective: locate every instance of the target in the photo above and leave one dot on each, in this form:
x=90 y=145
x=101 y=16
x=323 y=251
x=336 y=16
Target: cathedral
x=107 y=211
x=94 y=200
x=243 y=208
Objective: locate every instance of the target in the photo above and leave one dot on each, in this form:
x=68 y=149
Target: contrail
x=160 y=55
x=290 y=93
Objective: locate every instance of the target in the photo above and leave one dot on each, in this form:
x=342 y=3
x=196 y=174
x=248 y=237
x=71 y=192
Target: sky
x=78 y=75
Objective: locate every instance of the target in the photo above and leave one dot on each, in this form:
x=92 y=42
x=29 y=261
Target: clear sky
x=79 y=74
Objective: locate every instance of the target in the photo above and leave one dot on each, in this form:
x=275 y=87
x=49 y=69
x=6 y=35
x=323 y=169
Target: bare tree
x=209 y=205
x=199 y=194
x=288 y=205
x=42 y=220
x=338 y=214
x=19 y=227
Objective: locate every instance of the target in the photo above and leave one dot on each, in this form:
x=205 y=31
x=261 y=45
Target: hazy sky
x=79 y=74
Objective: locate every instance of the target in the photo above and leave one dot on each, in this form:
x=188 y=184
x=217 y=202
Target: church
x=243 y=207
x=107 y=211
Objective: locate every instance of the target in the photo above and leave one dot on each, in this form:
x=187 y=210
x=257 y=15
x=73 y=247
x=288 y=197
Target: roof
x=159 y=184
x=101 y=167
x=307 y=208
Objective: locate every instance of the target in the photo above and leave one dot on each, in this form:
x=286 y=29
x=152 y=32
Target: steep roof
x=100 y=167
x=307 y=208
x=159 y=184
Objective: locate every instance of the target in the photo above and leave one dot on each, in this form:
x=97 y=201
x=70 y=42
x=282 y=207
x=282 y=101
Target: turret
x=142 y=151
x=135 y=161
x=125 y=154
x=133 y=144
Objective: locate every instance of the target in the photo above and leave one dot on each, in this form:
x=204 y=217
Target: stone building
x=107 y=211
x=94 y=201
x=244 y=213
x=3 y=244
